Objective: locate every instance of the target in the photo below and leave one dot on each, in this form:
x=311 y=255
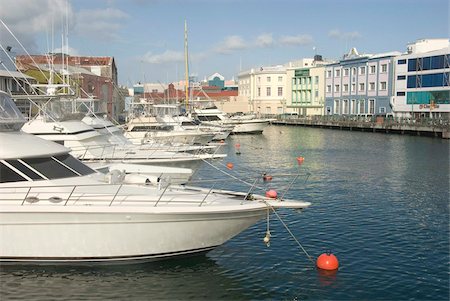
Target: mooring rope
x=292 y=235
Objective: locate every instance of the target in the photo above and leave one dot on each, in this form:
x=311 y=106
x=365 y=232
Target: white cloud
x=26 y=19
x=301 y=40
x=337 y=34
x=230 y=44
x=264 y=40
x=169 y=56
x=101 y=24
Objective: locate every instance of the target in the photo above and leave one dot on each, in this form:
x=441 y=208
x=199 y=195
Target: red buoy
x=271 y=194
x=300 y=160
x=327 y=261
x=230 y=165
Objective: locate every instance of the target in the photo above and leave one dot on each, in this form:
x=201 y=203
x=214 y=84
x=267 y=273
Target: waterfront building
x=14 y=82
x=360 y=84
x=305 y=86
x=216 y=80
x=93 y=77
x=265 y=89
x=422 y=87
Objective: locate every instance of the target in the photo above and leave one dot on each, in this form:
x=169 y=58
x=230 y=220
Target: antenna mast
x=186 y=65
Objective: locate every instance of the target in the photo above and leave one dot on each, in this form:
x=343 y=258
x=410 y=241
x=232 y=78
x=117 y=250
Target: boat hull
x=117 y=236
x=250 y=127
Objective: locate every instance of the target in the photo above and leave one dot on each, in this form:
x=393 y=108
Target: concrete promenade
x=420 y=127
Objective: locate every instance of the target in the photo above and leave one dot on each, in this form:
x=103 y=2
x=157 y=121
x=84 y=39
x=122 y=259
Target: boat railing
x=107 y=151
x=87 y=195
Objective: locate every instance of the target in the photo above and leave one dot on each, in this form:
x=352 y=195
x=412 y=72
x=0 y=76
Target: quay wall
x=432 y=128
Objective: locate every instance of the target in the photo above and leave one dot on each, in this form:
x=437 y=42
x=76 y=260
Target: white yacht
x=246 y=124
x=152 y=123
x=115 y=135
x=55 y=209
x=89 y=145
x=172 y=114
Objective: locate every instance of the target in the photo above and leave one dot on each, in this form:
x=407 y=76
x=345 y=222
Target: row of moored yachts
x=77 y=188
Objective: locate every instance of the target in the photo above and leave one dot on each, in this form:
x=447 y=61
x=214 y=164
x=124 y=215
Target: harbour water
x=379 y=202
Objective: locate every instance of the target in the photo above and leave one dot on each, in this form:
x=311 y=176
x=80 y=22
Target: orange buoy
x=230 y=165
x=300 y=160
x=271 y=194
x=266 y=177
x=327 y=261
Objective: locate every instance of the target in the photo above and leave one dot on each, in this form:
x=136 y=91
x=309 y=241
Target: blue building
x=216 y=80
x=360 y=84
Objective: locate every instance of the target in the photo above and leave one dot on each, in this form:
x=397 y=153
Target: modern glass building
x=360 y=84
x=422 y=80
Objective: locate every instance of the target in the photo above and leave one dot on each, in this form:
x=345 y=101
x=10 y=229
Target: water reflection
x=195 y=277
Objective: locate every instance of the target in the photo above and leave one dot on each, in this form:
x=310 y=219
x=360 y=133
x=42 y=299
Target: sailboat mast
x=186 y=65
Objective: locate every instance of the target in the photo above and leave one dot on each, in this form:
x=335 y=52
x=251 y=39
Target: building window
x=345 y=106
x=361 y=87
x=337 y=72
x=383 y=68
x=316 y=93
x=328 y=73
x=371 y=106
x=259 y=79
x=268 y=91
x=353 y=87
x=353 y=106
x=280 y=78
x=328 y=88
x=383 y=86
x=362 y=70
x=268 y=79
x=361 y=106
x=316 y=80
x=382 y=110
x=346 y=71
x=345 y=87
x=372 y=69
x=401 y=77
x=336 y=106
x=280 y=91
x=400 y=93
x=401 y=62
x=336 y=88
x=371 y=86
x=259 y=91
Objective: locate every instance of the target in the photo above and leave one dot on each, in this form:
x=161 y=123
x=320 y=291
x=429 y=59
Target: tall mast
x=186 y=65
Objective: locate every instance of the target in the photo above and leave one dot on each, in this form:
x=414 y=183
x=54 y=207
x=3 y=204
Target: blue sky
x=146 y=38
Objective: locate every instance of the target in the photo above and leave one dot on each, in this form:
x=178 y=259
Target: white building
x=265 y=89
x=422 y=77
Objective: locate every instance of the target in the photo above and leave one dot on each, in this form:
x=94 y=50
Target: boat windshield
x=35 y=169
x=10 y=117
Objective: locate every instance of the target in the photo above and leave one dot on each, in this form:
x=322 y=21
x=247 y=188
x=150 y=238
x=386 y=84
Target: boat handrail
x=107 y=194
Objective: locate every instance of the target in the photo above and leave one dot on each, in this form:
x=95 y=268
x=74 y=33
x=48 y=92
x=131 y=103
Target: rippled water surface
x=379 y=202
